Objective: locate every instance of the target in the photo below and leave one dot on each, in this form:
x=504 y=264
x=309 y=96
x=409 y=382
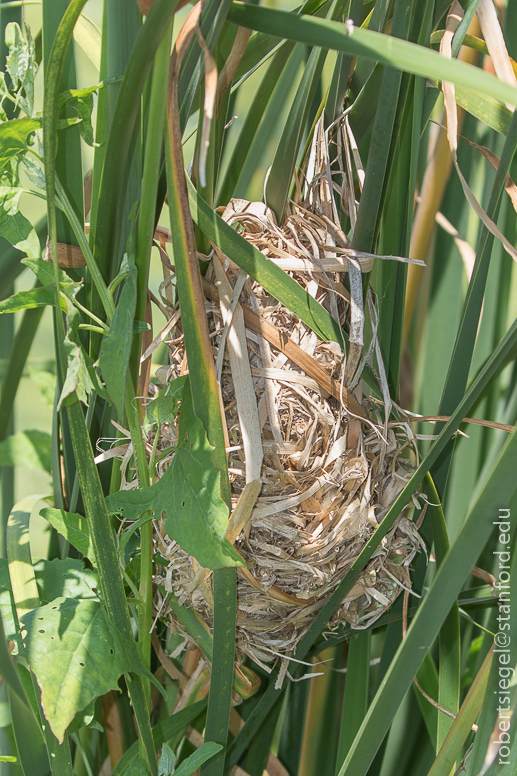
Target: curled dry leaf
x=453 y=20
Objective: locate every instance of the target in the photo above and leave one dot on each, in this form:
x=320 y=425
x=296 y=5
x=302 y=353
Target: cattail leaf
x=116 y=347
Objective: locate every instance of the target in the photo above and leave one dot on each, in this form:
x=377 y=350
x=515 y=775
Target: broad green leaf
x=44 y=271
x=74 y=528
x=46 y=382
x=167 y=761
x=88 y=37
x=14 y=138
x=26 y=300
x=192 y=763
x=189 y=494
x=77 y=655
x=163 y=408
x=27 y=448
x=83 y=719
x=57 y=578
x=65 y=578
x=116 y=346
x=485 y=108
x=14 y=227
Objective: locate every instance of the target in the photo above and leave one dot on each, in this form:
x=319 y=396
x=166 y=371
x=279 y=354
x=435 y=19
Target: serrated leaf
x=189 y=494
x=14 y=138
x=34 y=172
x=164 y=407
x=74 y=528
x=167 y=761
x=81 y=378
x=44 y=271
x=116 y=346
x=76 y=655
x=192 y=763
x=81 y=100
x=18 y=231
x=21 y=63
x=46 y=382
x=65 y=578
x=27 y=448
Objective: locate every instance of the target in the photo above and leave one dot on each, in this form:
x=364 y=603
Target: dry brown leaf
x=208 y=105
x=453 y=20
x=232 y=62
x=509 y=185
x=491 y=29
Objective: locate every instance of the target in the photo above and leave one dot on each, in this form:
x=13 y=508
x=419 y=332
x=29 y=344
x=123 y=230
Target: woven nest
x=313 y=466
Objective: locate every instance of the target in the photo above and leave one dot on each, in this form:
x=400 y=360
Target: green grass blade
x=221 y=677
x=123 y=123
x=88 y=37
x=34 y=758
x=164 y=731
x=462 y=725
x=355 y=699
x=68 y=158
x=251 y=123
x=449 y=678
x=258 y=753
x=290 y=745
x=495 y=493
x=373 y=45
x=495 y=714
x=280 y=177
x=205 y=397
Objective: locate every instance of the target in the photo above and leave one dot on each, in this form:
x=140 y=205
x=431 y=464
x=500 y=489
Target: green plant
x=359 y=77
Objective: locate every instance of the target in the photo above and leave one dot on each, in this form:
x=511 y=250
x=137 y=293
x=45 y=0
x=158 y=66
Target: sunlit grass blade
x=123 y=122
x=381 y=48
x=462 y=725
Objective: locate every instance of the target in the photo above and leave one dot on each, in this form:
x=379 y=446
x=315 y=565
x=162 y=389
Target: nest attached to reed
x=313 y=466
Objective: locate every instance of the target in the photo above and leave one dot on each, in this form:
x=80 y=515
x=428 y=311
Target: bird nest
x=313 y=465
